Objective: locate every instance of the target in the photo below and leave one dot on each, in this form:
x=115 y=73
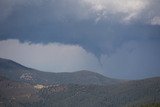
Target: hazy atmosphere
x=118 y=38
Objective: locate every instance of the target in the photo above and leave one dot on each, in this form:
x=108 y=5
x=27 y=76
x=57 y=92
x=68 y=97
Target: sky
x=120 y=38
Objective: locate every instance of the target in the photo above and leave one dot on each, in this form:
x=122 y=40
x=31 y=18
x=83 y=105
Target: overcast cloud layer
x=120 y=10
x=120 y=38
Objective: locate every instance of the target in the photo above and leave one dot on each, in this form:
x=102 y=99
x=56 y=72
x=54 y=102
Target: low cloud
x=133 y=60
x=53 y=57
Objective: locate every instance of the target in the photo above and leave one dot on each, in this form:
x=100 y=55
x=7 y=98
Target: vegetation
x=24 y=91
x=129 y=94
x=151 y=105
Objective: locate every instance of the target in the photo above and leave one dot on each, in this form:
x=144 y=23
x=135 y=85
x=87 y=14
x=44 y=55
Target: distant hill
x=143 y=93
x=131 y=94
x=12 y=93
x=25 y=87
x=17 y=72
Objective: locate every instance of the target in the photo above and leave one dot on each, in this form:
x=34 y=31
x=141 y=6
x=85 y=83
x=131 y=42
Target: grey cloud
x=97 y=10
x=53 y=57
x=8 y=6
x=97 y=26
x=133 y=60
x=155 y=21
x=151 y=11
x=49 y=9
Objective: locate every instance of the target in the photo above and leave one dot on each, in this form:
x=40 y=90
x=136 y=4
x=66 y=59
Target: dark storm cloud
x=99 y=26
x=91 y=24
x=134 y=60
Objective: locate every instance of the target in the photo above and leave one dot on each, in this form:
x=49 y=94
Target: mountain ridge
x=25 y=87
x=18 y=72
x=131 y=94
